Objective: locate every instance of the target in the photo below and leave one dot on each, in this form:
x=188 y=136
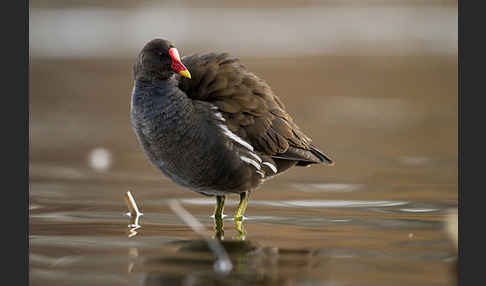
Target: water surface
x=375 y=218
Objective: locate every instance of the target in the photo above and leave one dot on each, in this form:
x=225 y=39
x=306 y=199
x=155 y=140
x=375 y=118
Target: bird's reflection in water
x=253 y=265
x=219 y=229
x=194 y=261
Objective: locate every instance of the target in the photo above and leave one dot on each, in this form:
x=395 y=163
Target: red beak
x=177 y=65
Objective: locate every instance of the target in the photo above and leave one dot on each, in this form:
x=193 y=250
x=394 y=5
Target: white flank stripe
x=220 y=117
x=274 y=169
x=235 y=137
x=250 y=161
x=212 y=106
x=256 y=156
x=260 y=173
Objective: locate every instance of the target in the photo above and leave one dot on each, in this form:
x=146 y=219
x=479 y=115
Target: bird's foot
x=218 y=217
x=241 y=209
x=240 y=228
x=240 y=216
x=218 y=227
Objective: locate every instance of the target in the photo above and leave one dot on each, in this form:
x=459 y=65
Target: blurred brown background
x=368 y=80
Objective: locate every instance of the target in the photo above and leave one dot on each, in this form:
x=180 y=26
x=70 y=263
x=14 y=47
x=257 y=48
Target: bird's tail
x=323 y=157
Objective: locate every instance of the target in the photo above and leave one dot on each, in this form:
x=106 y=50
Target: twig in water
x=133 y=213
x=133 y=255
x=223 y=263
x=132 y=206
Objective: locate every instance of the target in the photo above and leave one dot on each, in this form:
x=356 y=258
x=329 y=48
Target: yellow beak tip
x=185 y=73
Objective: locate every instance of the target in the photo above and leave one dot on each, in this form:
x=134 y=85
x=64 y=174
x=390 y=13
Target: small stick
x=132 y=206
x=133 y=255
x=134 y=214
x=223 y=263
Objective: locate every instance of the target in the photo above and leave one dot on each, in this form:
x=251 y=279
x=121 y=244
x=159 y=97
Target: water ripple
x=419 y=210
x=327 y=187
x=304 y=203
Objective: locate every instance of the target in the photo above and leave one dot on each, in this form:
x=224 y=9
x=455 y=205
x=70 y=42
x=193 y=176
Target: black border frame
x=15 y=142
x=471 y=142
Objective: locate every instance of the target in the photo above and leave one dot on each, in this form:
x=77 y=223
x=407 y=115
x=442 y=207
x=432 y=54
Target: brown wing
x=251 y=109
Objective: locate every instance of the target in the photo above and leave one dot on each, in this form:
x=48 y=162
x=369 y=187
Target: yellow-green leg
x=218 y=210
x=239 y=215
x=240 y=211
x=218 y=228
x=218 y=217
x=240 y=228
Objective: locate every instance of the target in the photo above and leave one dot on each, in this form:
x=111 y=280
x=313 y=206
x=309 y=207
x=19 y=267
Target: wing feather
x=251 y=109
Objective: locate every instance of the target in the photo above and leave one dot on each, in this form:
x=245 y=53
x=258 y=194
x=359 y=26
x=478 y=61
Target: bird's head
x=159 y=60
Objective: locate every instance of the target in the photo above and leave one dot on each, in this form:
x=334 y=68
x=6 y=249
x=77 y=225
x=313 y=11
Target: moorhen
x=211 y=125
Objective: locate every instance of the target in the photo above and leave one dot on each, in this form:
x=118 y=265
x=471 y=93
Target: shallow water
x=375 y=218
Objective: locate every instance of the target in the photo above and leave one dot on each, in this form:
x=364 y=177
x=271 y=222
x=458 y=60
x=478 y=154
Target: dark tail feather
x=323 y=157
x=305 y=157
